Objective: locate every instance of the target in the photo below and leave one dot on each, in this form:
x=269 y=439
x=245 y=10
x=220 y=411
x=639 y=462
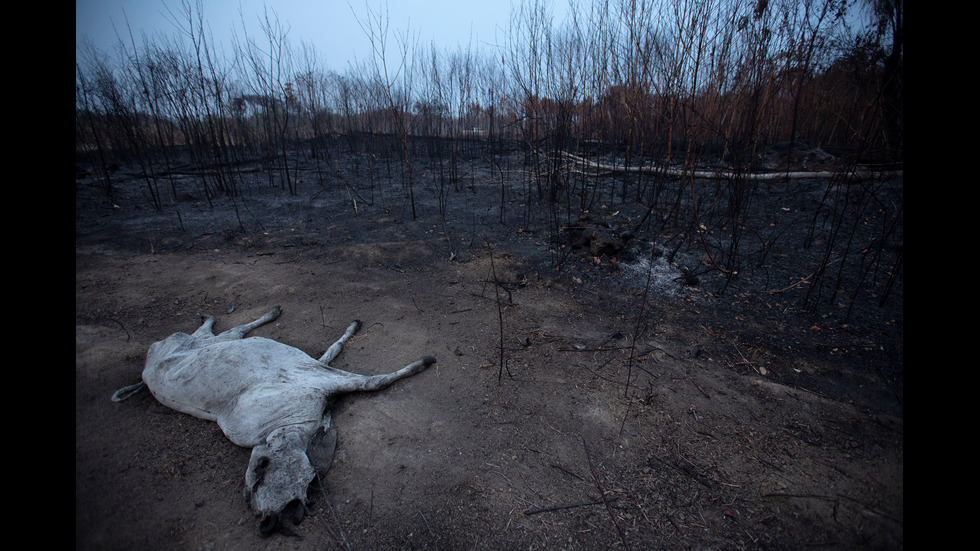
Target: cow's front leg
x=207 y=328
x=242 y=330
x=336 y=347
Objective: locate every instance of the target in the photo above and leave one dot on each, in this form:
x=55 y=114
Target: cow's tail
x=127 y=392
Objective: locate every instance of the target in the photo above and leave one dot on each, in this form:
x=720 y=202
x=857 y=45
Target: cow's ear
x=321 y=450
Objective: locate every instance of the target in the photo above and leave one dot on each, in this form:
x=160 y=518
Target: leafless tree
x=395 y=81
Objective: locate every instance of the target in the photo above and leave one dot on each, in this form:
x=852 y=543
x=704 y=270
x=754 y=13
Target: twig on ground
x=530 y=512
x=636 y=330
x=128 y=336
x=602 y=492
x=352 y=200
x=566 y=471
x=696 y=385
x=500 y=317
x=340 y=528
x=433 y=534
x=370 y=522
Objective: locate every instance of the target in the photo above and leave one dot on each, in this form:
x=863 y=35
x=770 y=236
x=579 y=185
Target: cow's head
x=280 y=472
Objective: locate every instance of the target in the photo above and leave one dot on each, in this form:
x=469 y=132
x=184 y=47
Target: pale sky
x=330 y=25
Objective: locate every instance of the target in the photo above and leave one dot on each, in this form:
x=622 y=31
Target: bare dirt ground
x=745 y=424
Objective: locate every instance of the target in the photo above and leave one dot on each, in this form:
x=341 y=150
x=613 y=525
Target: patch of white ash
x=668 y=271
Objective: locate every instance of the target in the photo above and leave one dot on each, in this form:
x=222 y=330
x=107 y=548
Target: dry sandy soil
x=742 y=427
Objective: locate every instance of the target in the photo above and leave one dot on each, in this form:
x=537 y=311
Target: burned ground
x=647 y=399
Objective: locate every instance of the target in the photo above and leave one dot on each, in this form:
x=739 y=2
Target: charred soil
x=645 y=399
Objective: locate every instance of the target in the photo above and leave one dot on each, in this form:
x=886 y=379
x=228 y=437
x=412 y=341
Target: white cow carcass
x=265 y=395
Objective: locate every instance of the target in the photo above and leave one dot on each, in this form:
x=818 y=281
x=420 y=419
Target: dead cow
x=264 y=395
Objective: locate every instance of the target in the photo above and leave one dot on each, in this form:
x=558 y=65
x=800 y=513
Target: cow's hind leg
x=368 y=383
x=336 y=347
x=242 y=330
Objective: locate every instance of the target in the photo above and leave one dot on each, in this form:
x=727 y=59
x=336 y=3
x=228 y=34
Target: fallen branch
x=530 y=512
x=723 y=175
x=803 y=280
x=599 y=349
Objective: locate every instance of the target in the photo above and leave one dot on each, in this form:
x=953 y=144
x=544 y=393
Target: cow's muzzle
x=272 y=522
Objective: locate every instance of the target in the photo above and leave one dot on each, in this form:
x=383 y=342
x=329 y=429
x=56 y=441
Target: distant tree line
x=644 y=89
x=664 y=81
